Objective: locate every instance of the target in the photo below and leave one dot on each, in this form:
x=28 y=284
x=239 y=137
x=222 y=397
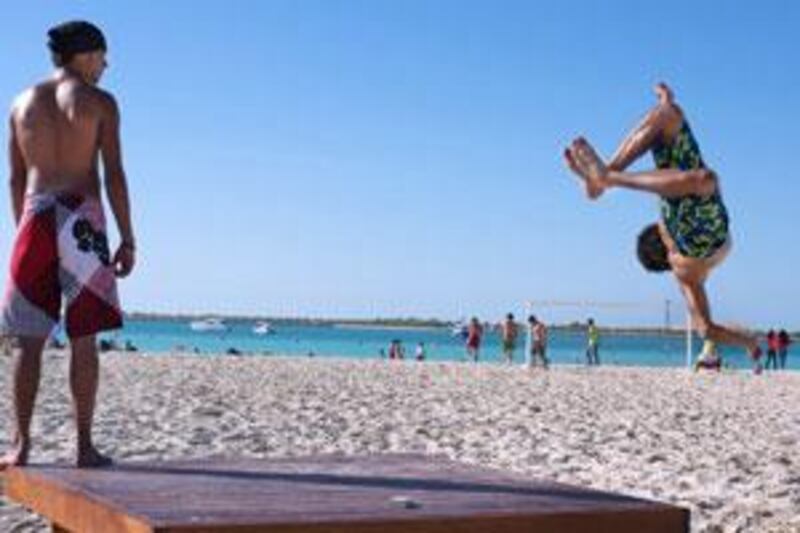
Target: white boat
x=208 y=324
x=459 y=330
x=263 y=328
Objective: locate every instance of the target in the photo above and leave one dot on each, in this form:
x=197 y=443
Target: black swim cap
x=75 y=37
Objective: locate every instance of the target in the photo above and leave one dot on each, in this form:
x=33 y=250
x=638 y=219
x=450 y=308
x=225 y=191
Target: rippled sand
x=726 y=446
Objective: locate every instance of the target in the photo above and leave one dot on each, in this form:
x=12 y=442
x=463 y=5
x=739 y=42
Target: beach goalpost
x=530 y=305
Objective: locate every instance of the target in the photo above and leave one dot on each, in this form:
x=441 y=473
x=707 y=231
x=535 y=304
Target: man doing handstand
x=692 y=236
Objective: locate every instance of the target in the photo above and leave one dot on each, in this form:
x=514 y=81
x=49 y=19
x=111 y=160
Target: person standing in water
x=593 y=344
x=508 y=337
x=539 y=346
x=783 y=347
x=474 y=337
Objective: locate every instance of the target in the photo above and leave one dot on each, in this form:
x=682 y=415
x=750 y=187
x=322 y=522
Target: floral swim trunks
x=60 y=251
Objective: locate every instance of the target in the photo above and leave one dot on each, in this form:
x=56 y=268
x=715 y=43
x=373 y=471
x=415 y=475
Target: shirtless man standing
x=58 y=130
x=692 y=237
x=539 y=346
x=509 y=334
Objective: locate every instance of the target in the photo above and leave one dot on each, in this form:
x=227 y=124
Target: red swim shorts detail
x=61 y=251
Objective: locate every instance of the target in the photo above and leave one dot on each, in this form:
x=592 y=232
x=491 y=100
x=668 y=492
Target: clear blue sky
x=362 y=158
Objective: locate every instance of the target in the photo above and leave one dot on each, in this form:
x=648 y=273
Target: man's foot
x=664 y=94
x=91 y=458
x=582 y=159
x=16 y=456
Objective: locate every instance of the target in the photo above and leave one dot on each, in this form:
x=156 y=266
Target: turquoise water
x=366 y=343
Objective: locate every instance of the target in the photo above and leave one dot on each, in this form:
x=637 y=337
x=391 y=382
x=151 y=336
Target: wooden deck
x=379 y=493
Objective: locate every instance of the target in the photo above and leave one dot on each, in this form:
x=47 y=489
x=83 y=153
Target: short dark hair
x=532 y=319
x=651 y=250
x=74 y=37
x=510 y=316
x=61 y=59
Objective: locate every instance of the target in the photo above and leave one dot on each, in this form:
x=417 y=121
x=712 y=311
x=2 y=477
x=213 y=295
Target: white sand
x=727 y=446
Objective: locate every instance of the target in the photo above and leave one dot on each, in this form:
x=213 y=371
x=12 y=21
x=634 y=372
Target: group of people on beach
x=62 y=127
x=397 y=351
x=777 y=353
x=777 y=349
x=509 y=337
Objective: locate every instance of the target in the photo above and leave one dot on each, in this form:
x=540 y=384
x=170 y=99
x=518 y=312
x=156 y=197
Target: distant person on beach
x=60 y=128
x=783 y=347
x=772 y=350
x=474 y=336
x=709 y=358
x=692 y=236
x=508 y=337
x=593 y=344
x=419 y=355
x=396 y=350
x=539 y=345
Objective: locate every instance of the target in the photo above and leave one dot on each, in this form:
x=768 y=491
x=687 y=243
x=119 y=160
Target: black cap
x=75 y=37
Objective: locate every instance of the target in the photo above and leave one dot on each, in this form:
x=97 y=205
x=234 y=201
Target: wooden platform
x=380 y=493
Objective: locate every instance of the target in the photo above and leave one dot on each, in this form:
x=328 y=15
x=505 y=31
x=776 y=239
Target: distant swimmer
x=692 y=236
x=60 y=129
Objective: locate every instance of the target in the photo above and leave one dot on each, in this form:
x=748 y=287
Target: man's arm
x=116 y=184
x=644 y=136
x=19 y=172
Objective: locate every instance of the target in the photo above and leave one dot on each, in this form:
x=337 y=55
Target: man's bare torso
x=57 y=125
x=509 y=331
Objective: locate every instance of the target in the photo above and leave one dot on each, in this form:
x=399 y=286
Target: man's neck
x=67 y=73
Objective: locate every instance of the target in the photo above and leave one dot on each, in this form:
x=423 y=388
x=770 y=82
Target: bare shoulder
x=106 y=102
x=94 y=101
x=24 y=100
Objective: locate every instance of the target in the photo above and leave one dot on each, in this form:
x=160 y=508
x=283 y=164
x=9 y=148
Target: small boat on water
x=459 y=330
x=208 y=324
x=263 y=328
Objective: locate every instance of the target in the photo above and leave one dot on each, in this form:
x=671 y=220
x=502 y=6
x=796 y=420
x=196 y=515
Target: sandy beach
x=726 y=446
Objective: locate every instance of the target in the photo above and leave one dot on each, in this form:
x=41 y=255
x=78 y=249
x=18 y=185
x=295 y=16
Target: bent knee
x=704 y=181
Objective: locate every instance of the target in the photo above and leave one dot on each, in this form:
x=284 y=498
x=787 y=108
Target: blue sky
x=363 y=158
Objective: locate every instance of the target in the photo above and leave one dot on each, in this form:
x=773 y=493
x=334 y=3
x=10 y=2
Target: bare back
x=57 y=129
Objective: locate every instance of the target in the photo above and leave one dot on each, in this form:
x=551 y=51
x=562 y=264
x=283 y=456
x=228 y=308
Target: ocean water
x=564 y=347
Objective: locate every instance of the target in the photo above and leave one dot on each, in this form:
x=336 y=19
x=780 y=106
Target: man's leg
x=697 y=302
x=668 y=183
x=83 y=380
x=27 y=369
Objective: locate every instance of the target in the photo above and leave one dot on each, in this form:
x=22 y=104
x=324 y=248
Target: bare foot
x=664 y=93
x=572 y=162
x=91 y=458
x=16 y=456
x=584 y=161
